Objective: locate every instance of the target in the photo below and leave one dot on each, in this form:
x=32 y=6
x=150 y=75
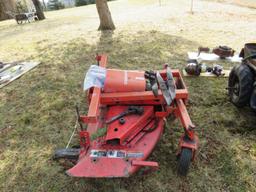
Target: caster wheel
x=184 y=161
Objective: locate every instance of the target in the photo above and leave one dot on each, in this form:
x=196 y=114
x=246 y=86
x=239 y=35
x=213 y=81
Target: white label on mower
x=115 y=154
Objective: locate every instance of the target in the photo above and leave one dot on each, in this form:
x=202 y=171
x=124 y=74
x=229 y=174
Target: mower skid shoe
x=164 y=89
x=170 y=83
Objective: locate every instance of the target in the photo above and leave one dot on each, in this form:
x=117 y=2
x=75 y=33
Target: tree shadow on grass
x=144 y=50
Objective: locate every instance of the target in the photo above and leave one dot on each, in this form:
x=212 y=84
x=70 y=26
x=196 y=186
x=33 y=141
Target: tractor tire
x=185 y=158
x=240 y=84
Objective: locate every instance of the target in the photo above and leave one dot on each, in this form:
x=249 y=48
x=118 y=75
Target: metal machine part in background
x=223 y=51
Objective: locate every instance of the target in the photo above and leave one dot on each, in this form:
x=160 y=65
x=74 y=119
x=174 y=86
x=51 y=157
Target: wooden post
x=191 y=6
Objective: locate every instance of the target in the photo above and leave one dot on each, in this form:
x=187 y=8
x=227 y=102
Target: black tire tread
x=184 y=161
x=246 y=78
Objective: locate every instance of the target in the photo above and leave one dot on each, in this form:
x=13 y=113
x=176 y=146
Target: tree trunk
x=106 y=22
x=39 y=11
x=5 y=7
x=44 y=5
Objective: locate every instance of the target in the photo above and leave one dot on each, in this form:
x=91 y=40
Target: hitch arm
x=189 y=139
x=95 y=97
x=182 y=113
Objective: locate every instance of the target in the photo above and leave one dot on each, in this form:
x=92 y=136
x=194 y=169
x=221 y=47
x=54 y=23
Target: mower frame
x=98 y=100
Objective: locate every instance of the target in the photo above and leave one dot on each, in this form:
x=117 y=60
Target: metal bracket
x=84 y=139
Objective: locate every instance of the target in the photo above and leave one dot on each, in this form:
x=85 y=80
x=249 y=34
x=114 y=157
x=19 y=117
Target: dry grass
x=37 y=111
x=245 y=3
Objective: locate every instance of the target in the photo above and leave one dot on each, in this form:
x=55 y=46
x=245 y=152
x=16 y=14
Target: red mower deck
x=128 y=141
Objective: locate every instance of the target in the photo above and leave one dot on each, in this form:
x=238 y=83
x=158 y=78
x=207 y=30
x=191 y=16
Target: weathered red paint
x=133 y=123
x=128 y=81
x=125 y=147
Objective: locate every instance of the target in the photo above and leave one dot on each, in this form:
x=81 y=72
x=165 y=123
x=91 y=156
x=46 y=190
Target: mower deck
x=120 y=160
x=127 y=142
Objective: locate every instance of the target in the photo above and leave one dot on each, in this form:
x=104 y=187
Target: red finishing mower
x=125 y=121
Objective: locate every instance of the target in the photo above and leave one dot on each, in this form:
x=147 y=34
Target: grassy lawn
x=37 y=110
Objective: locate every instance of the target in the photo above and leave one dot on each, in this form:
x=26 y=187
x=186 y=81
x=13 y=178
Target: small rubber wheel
x=184 y=161
x=240 y=84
